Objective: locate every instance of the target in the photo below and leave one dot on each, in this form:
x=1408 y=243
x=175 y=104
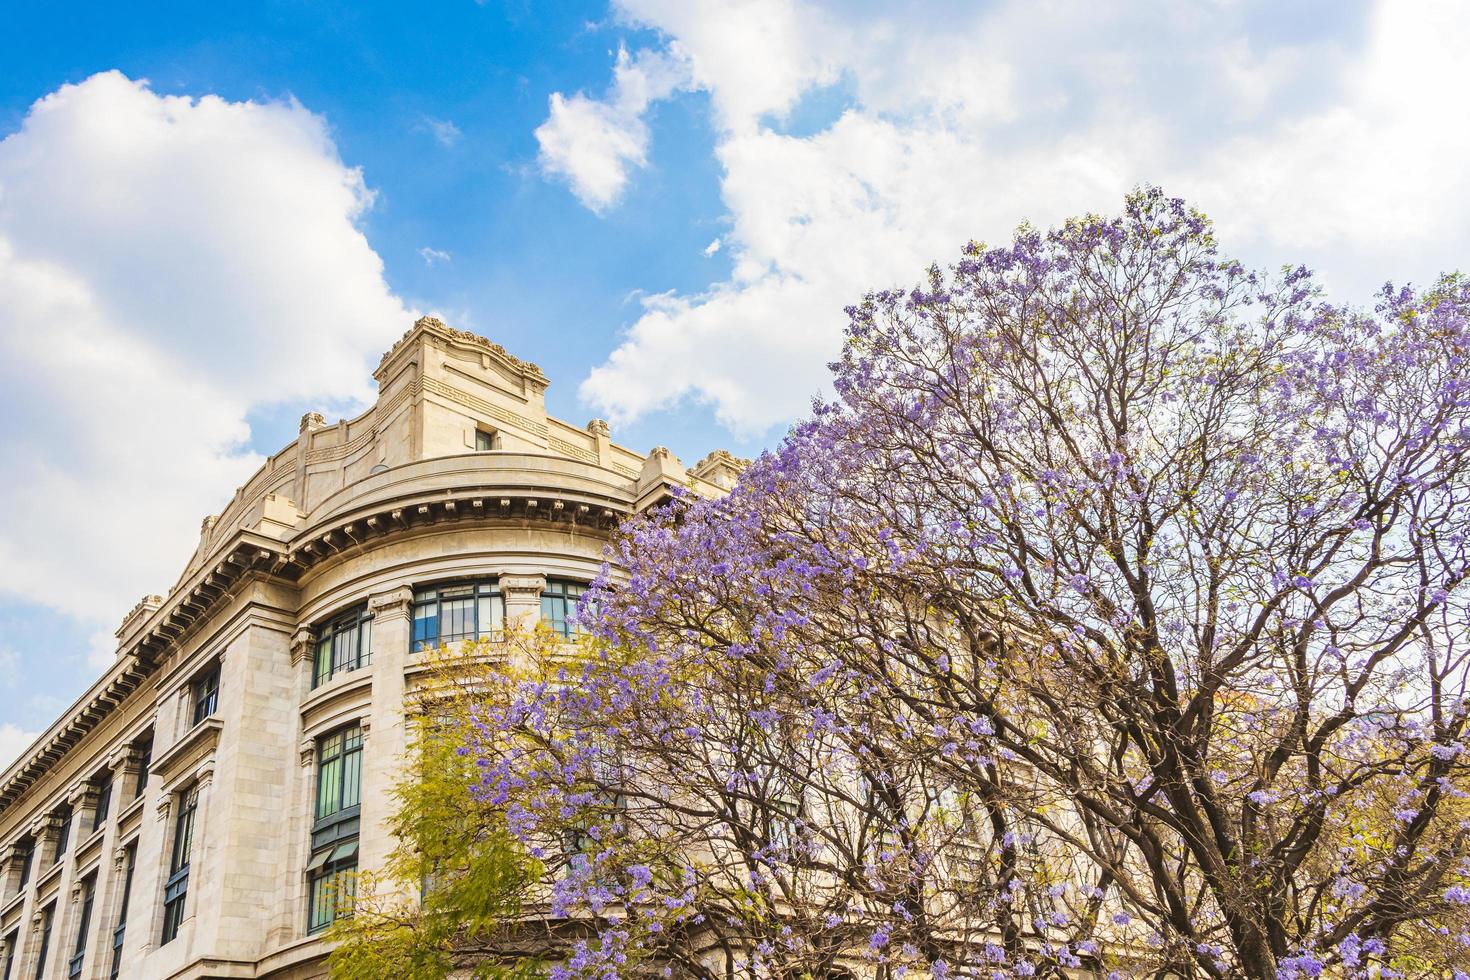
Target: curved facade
x=193 y=812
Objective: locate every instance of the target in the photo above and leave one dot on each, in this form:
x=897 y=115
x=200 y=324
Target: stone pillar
x=522 y=600
x=602 y=437
x=303 y=661
x=385 y=729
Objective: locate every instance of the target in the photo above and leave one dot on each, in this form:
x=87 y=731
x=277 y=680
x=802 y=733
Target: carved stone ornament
x=308 y=752
x=301 y=643
x=312 y=420
x=522 y=586
x=599 y=427
x=395 y=602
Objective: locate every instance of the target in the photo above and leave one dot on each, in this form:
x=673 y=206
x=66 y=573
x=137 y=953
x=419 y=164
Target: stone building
x=189 y=814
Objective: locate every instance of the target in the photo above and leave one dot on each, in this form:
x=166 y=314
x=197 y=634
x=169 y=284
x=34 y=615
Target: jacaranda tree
x=1111 y=617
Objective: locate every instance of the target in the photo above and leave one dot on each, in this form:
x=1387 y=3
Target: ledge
x=197 y=743
x=49 y=876
x=11 y=904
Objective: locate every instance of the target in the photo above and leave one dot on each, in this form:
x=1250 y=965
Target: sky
x=213 y=219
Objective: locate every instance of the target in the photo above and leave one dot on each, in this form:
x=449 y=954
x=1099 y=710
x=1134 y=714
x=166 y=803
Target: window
x=104 y=801
x=26 y=857
x=122 y=914
x=63 y=837
x=206 y=694
x=343 y=644
x=176 y=889
x=47 y=920
x=486 y=440
x=559 y=605
x=461 y=611
x=79 y=954
x=145 y=749
x=11 y=941
x=332 y=869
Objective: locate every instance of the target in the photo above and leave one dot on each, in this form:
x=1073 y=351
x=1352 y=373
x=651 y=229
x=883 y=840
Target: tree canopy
x=1110 y=617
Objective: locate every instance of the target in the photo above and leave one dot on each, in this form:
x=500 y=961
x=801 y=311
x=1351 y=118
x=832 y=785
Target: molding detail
x=301 y=643
x=523 y=587
x=480 y=405
x=391 y=604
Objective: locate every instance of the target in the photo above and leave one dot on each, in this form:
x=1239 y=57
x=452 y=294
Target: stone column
x=522 y=600
x=385 y=729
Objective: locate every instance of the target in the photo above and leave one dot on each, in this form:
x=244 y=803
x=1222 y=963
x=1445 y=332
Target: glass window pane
x=352 y=779
x=329 y=788
x=365 y=642
x=491 y=615
x=344 y=649
x=459 y=619
x=426 y=626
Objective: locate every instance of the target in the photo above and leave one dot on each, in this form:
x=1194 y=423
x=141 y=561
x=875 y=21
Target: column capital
x=83 y=796
x=390 y=604
x=308 y=751
x=301 y=643
x=522 y=587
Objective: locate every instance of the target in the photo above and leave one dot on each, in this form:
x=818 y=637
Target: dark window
x=206 y=694
x=47 y=918
x=63 y=837
x=342 y=645
x=11 y=941
x=122 y=914
x=146 y=750
x=459 y=611
x=176 y=889
x=332 y=870
x=79 y=954
x=25 y=864
x=484 y=440
x=559 y=605
x=104 y=801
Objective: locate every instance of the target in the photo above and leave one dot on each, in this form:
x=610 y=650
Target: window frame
x=559 y=593
x=204 y=693
x=27 y=866
x=483 y=595
x=11 y=942
x=176 y=888
x=48 y=920
x=326 y=662
x=119 y=933
x=332 y=865
x=79 y=951
x=63 y=836
x=145 y=748
x=103 y=809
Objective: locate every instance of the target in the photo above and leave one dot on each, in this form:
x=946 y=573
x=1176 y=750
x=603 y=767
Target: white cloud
x=166 y=264
x=432 y=255
x=1326 y=137
x=13 y=741
x=592 y=144
x=712 y=248
x=444 y=131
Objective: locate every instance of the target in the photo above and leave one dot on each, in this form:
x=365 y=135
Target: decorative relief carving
x=567 y=449
x=438 y=327
x=394 y=602
x=523 y=587
x=301 y=643
x=598 y=427
x=482 y=406
x=312 y=420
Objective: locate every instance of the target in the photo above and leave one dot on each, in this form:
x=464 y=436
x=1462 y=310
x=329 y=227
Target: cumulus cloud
x=1324 y=136
x=593 y=144
x=166 y=265
x=13 y=741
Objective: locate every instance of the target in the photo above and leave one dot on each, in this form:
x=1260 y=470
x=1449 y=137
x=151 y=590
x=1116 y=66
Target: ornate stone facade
x=171 y=823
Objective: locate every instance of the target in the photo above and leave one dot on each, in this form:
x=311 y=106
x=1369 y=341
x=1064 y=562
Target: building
x=188 y=815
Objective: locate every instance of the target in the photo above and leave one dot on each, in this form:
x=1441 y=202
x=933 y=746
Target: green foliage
x=449 y=898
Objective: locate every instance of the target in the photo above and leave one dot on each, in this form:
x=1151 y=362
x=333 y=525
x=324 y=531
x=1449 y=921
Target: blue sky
x=213 y=220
